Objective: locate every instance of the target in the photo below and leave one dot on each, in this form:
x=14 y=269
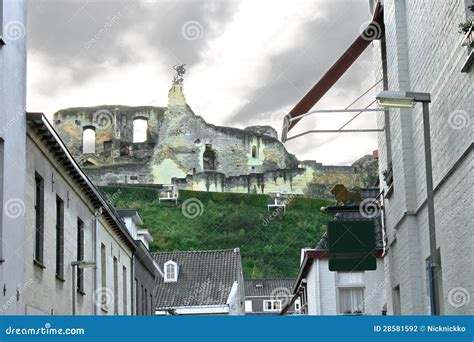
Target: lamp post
x=392 y=99
x=81 y=265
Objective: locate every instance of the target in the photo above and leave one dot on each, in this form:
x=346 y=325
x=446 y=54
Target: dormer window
x=171 y=271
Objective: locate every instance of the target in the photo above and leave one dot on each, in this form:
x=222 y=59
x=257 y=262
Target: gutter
x=195 y=310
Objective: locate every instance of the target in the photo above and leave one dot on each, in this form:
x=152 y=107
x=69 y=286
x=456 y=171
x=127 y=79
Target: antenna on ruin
x=180 y=71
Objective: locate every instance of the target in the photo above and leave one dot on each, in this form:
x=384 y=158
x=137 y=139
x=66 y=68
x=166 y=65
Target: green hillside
x=269 y=247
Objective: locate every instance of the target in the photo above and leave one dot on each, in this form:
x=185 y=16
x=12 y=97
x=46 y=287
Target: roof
x=133 y=213
x=143 y=256
x=51 y=140
x=267 y=287
x=204 y=277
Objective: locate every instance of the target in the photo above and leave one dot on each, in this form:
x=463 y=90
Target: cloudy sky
x=249 y=61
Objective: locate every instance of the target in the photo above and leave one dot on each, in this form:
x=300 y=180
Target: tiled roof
x=267 y=287
x=204 y=278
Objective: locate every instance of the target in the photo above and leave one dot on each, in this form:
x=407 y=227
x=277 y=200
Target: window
x=171 y=271
x=59 y=238
x=145 y=301
x=248 y=306
x=350 y=292
x=124 y=289
x=397 y=308
x=151 y=305
x=137 y=297
x=2 y=42
x=88 y=139
x=115 y=286
x=80 y=254
x=297 y=305
x=209 y=158
x=141 y=302
x=39 y=219
x=140 y=129
x=108 y=147
x=272 y=305
x=351 y=300
x=254 y=151
x=103 y=271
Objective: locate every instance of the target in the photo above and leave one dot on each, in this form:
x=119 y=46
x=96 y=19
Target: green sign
x=352 y=246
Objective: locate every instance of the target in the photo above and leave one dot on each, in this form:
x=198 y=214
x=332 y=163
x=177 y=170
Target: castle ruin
x=180 y=147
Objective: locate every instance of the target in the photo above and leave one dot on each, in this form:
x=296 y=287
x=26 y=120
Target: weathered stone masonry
x=183 y=149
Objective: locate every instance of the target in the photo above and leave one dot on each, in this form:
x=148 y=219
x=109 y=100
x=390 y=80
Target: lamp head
x=395 y=99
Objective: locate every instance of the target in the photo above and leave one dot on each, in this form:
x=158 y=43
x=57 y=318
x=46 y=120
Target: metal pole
x=430 y=206
x=317 y=111
x=73 y=290
x=368 y=130
x=96 y=270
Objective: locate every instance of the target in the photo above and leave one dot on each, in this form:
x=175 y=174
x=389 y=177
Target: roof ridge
x=258 y=279
x=232 y=250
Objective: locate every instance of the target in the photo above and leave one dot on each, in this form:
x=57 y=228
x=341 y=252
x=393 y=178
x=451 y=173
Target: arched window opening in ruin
x=209 y=158
x=88 y=139
x=140 y=129
x=254 y=151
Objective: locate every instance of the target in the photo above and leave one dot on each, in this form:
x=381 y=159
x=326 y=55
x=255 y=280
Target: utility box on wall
x=352 y=246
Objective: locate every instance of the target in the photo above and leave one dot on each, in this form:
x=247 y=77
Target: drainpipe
x=318 y=289
x=132 y=287
x=96 y=258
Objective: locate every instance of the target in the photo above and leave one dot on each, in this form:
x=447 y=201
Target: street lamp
x=394 y=99
x=81 y=265
x=400 y=99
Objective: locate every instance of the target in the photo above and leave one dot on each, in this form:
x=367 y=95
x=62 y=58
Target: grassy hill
x=270 y=246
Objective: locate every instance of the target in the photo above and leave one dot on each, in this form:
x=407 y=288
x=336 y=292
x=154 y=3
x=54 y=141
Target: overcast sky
x=248 y=61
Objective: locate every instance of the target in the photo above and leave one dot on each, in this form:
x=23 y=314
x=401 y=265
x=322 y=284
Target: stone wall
x=182 y=148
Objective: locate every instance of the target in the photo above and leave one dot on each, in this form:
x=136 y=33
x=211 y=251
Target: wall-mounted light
x=400 y=99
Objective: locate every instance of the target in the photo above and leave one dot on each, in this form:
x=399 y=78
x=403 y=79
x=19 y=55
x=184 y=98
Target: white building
x=12 y=153
x=422 y=51
x=145 y=269
x=411 y=54
x=324 y=292
x=52 y=216
x=68 y=220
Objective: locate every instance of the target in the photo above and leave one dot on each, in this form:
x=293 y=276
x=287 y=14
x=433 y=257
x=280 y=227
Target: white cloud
x=232 y=69
x=239 y=58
